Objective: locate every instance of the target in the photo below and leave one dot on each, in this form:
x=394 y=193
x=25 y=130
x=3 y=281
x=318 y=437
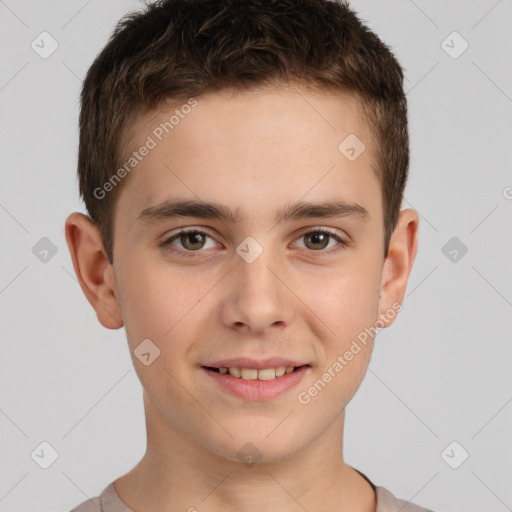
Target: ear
x=93 y=270
x=397 y=265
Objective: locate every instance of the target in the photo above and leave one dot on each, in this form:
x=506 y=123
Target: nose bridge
x=257 y=267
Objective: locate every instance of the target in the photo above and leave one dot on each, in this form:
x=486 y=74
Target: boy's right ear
x=93 y=270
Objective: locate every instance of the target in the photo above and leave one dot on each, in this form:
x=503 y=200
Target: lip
x=247 y=362
x=258 y=390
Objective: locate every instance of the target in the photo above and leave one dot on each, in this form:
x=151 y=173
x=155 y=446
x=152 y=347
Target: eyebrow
x=292 y=211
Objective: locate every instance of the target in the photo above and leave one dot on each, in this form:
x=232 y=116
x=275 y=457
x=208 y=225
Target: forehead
x=261 y=109
x=256 y=147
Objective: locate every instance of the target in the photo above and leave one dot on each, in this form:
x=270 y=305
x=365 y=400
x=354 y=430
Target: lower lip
x=258 y=389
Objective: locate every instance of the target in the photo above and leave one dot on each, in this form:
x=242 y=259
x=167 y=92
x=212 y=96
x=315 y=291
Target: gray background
x=441 y=374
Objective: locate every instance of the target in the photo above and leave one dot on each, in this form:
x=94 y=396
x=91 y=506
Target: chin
x=253 y=444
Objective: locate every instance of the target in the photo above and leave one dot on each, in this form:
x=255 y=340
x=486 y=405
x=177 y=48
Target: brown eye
x=189 y=241
x=193 y=240
x=317 y=240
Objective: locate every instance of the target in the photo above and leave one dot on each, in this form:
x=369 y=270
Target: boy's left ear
x=403 y=245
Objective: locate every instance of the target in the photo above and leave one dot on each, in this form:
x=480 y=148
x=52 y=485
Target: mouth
x=264 y=374
x=256 y=384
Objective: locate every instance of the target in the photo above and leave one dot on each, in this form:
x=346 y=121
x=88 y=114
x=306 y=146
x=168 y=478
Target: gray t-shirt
x=109 y=501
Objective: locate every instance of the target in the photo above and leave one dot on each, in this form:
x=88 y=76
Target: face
x=271 y=279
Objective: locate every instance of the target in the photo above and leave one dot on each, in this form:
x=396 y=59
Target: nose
x=257 y=295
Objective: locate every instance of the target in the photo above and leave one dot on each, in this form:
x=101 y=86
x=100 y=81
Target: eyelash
x=168 y=246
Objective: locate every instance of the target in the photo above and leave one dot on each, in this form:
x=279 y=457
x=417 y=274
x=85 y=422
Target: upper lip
x=247 y=362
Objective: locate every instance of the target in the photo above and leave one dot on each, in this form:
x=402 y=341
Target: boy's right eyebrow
x=207 y=210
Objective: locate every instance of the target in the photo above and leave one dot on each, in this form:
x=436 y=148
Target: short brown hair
x=177 y=49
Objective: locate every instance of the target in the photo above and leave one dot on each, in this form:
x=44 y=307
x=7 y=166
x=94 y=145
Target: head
x=275 y=118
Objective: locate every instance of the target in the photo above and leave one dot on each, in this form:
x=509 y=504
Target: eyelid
x=323 y=229
x=188 y=229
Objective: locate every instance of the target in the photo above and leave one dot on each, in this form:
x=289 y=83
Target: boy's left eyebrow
x=292 y=211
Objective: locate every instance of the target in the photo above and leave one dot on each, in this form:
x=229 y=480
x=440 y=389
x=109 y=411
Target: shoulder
x=91 y=505
x=387 y=502
x=107 y=501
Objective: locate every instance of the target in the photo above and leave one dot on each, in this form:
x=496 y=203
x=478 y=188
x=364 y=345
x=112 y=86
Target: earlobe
x=93 y=270
x=398 y=264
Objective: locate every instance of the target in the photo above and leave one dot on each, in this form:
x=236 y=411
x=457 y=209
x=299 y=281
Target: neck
x=178 y=473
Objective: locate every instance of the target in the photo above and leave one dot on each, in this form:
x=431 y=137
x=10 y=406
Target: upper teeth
x=253 y=373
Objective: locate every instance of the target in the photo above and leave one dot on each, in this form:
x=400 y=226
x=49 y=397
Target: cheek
x=157 y=302
x=347 y=301
x=162 y=307
x=348 y=304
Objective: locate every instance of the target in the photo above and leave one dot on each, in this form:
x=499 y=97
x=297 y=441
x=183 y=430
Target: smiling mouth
x=254 y=374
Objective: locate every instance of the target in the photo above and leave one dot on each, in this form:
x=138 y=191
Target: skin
x=252 y=152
